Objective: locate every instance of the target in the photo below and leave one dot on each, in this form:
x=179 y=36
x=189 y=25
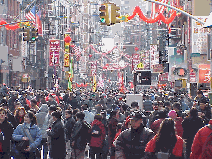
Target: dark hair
x=53 y=108
x=113 y=113
x=167 y=103
x=80 y=115
x=98 y=117
x=200 y=92
x=134 y=104
x=56 y=114
x=75 y=111
x=34 y=101
x=119 y=126
x=166 y=137
x=84 y=107
x=177 y=105
x=193 y=113
x=69 y=111
x=32 y=117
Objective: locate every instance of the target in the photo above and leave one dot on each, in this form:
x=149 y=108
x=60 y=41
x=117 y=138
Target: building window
x=127 y=2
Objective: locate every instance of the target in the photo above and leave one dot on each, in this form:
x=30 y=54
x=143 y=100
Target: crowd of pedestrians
x=82 y=123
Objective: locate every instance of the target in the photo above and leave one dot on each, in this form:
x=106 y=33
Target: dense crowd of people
x=64 y=124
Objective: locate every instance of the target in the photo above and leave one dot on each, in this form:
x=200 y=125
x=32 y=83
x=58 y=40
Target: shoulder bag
x=37 y=152
x=23 y=144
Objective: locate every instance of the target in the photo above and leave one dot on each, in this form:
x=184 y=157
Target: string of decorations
x=160 y=16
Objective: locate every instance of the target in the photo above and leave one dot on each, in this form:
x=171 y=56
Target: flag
x=31 y=14
x=39 y=23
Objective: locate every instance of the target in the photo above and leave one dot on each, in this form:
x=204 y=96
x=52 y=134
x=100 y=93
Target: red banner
x=135 y=60
x=204 y=73
x=192 y=77
x=164 y=76
x=54 y=52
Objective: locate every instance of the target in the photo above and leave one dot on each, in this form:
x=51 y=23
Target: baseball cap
x=136 y=115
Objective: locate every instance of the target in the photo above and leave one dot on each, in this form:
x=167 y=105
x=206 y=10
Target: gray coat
x=41 y=115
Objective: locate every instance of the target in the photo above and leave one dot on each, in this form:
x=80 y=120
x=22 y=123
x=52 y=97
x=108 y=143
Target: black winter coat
x=7 y=130
x=69 y=124
x=131 y=143
x=58 y=145
x=80 y=135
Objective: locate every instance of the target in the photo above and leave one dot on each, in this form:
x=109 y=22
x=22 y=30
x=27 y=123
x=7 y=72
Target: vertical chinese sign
x=204 y=73
x=54 y=52
x=67 y=53
x=135 y=61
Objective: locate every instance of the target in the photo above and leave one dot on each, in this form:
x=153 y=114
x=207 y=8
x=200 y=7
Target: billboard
x=199 y=36
x=54 y=52
x=204 y=73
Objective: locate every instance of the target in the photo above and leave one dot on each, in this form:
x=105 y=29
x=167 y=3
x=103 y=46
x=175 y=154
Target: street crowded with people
x=82 y=124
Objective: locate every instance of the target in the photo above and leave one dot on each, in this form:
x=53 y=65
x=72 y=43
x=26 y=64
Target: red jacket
x=97 y=141
x=178 y=125
x=199 y=140
x=156 y=125
x=177 y=151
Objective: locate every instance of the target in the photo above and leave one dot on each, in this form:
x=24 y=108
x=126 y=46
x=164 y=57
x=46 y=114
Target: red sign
x=135 y=60
x=164 y=76
x=192 y=77
x=204 y=73
x=157 y=68
x=54 y=52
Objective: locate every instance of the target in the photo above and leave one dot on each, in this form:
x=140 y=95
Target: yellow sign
x=66 y=60
x=140 y=65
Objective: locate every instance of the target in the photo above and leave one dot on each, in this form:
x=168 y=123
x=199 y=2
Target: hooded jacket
x=40 y=115
x=199 y=140
x=97 y=141
x=177 y=150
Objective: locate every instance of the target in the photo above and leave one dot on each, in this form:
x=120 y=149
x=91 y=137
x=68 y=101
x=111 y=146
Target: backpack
x=96 y=131
x=207 y=147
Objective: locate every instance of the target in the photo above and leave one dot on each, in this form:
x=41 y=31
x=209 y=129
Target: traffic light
x=124 y=18
x=26 y=32
x=34 y=34
x=114 y=14
x=104 y=16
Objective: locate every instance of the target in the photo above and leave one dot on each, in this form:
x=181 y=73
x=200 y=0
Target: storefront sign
x=54 y=52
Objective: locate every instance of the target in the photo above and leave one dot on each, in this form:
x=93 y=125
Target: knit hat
x=172 y=114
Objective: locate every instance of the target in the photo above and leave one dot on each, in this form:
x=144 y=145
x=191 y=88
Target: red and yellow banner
x=67 y=53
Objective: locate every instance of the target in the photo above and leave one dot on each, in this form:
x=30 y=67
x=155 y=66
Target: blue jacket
x=34 y=131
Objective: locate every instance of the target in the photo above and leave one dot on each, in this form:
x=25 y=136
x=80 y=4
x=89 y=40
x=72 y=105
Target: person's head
x=20 y=112
x=193 y=112
x=52 y=108
x=177 y=106
x=30 y=118
x=134 y=105
x=160 y=105
x=80 y=116
x=168 y=105
x=84 y=107
x=33 y=102
x=200 y=93
x=68 y=113
x=75 y=111
x=155 y=105
x=56 y=115
x=18 y=104
x=172 y=114
x=98 y=117
x=202 y=103
x=136 y=119
x=119 y=127
x=162 y=114
x=3 y=114
x=113 y=114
